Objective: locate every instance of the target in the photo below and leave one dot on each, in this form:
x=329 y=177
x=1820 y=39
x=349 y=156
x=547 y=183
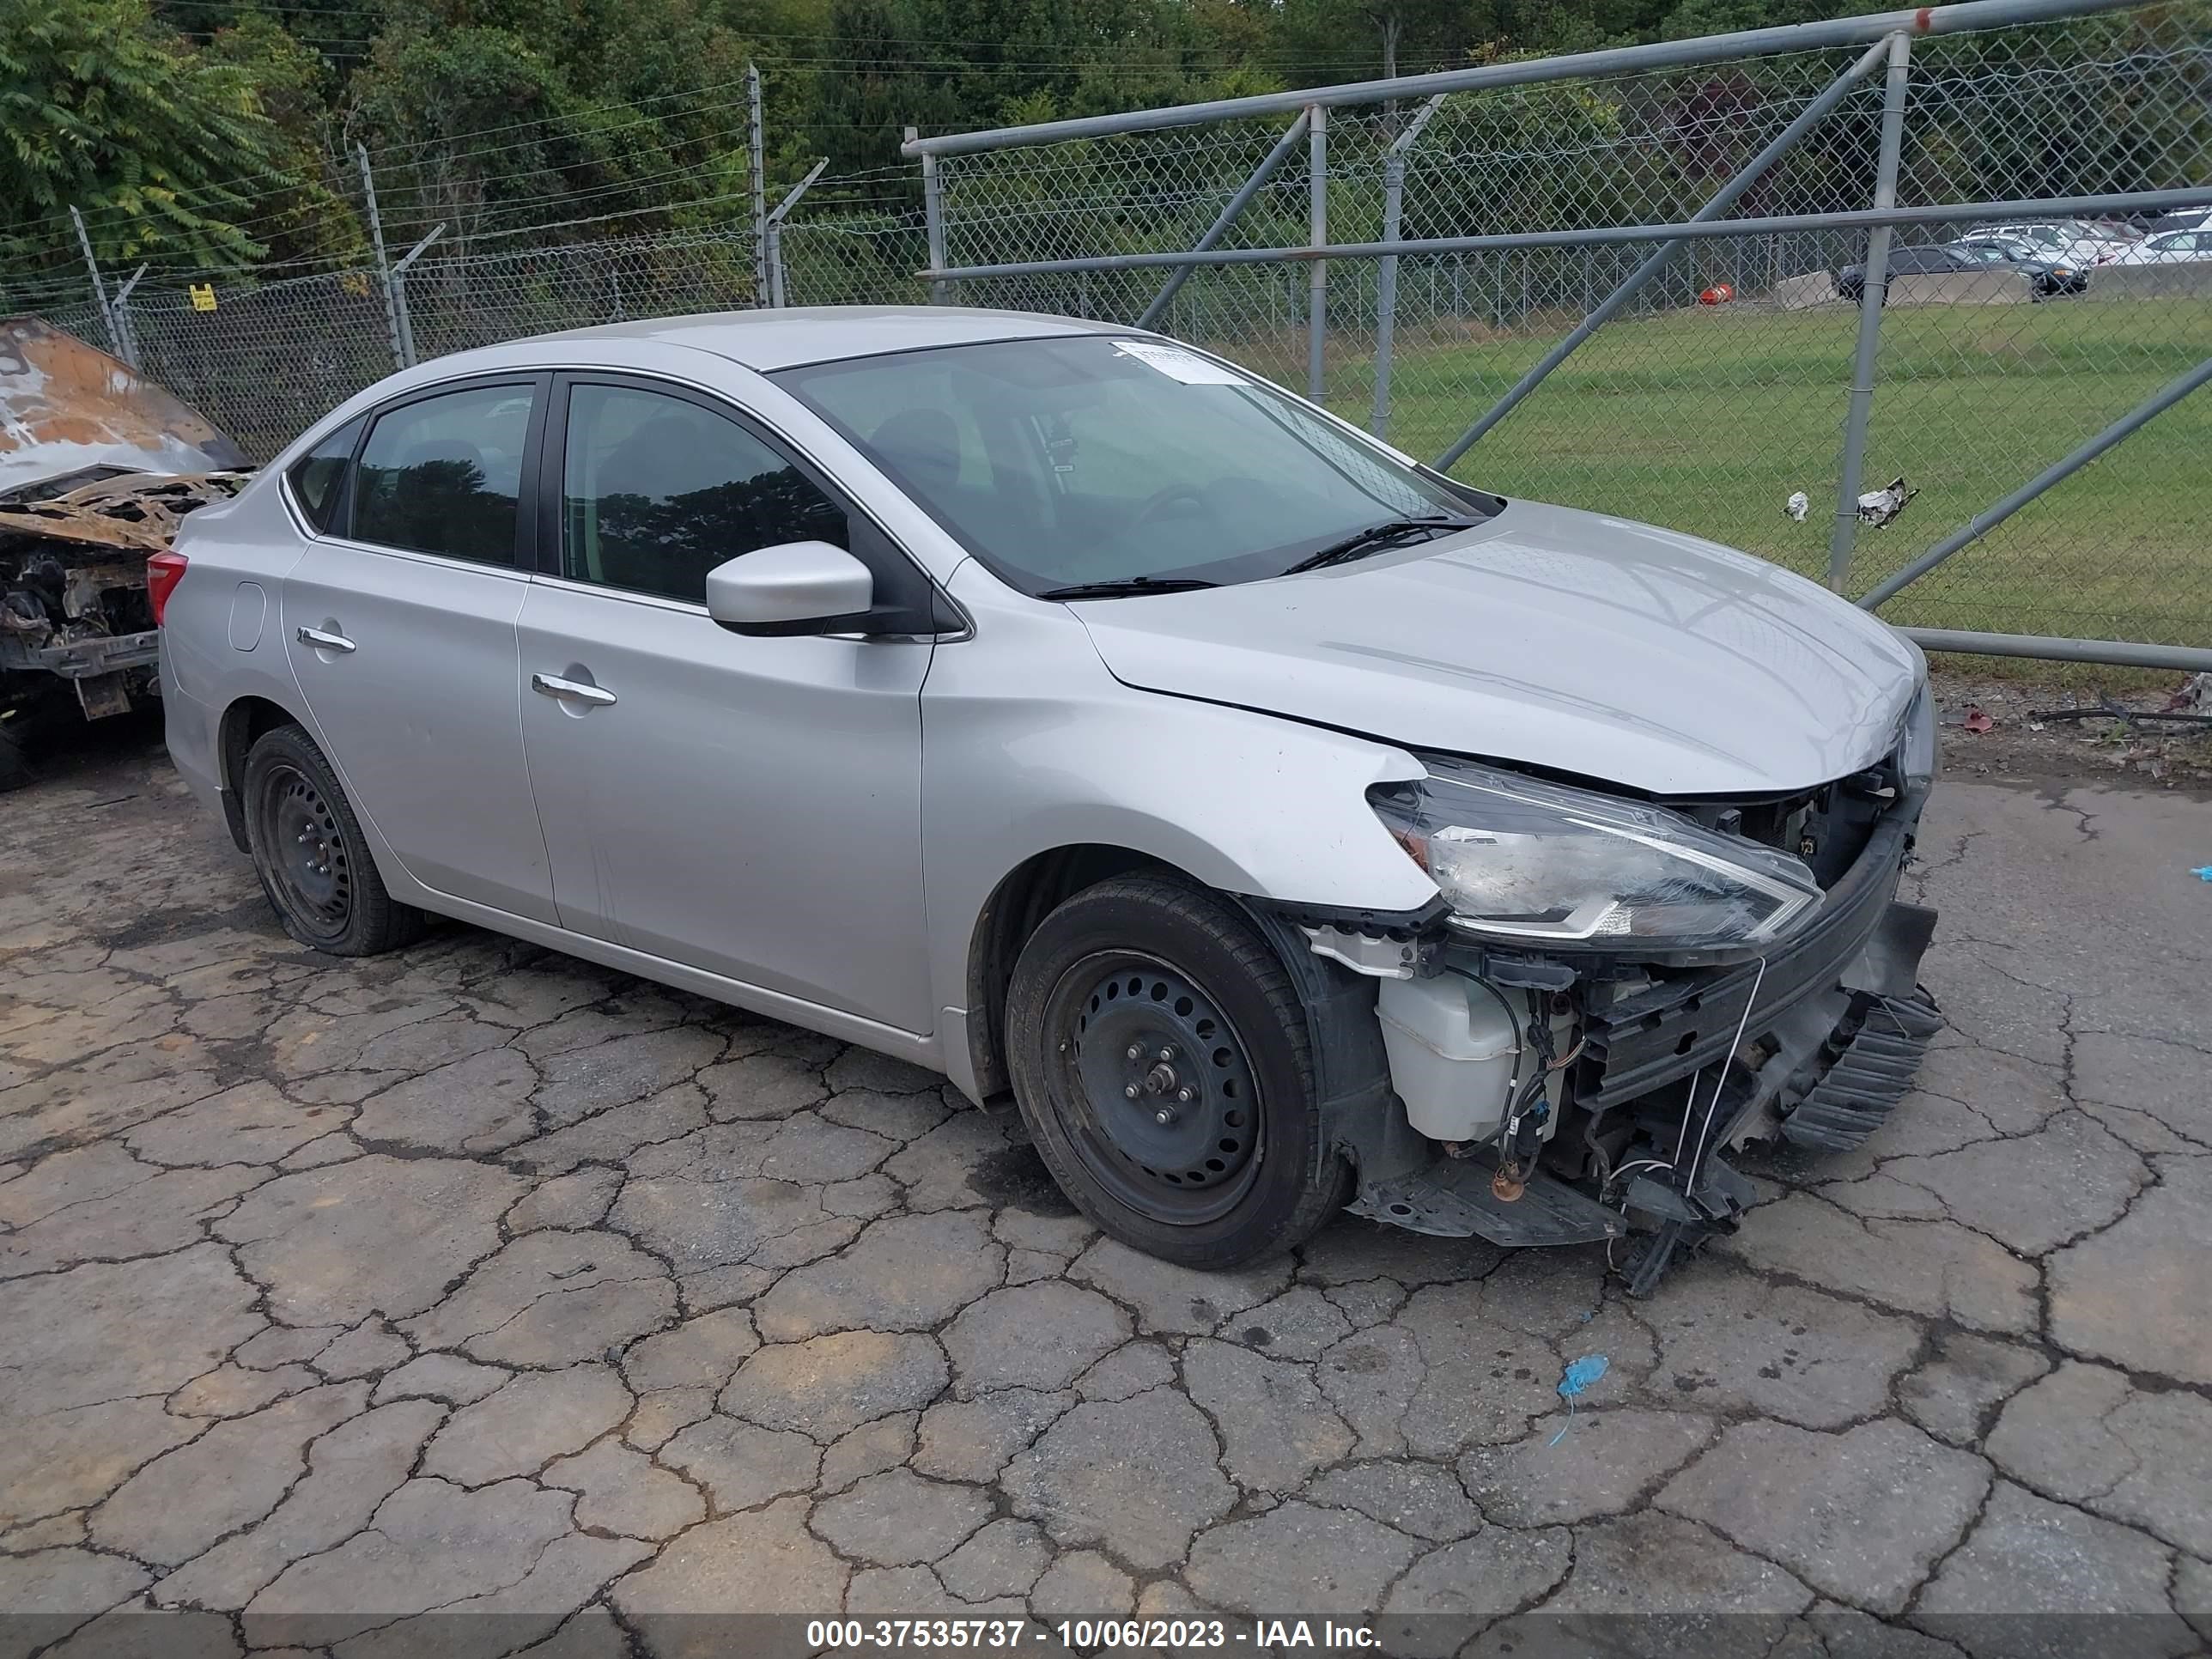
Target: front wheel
x=1162 y=1062
x=310 y=853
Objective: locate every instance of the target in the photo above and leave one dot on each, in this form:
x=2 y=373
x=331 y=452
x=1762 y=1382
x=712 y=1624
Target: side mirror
x=793 y=587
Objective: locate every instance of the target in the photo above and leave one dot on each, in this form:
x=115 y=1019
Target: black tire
x=1238 y=1168
x=311 y=856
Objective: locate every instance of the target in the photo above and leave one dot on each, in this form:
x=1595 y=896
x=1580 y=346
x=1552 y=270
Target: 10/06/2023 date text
x=1083 y=1634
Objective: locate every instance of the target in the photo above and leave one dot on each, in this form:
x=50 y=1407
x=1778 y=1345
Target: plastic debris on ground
x=2038 y=727
x=1797 y=506
x=1977 y=720
x=1579 y=1375
x=2195 y=692
x=1880 y=508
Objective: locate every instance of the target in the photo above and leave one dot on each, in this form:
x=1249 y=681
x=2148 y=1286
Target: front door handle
x=553 y=685
x=325 y=641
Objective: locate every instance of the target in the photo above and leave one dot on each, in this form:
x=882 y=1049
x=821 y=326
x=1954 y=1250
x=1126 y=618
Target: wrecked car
x=1280 y=825
x=98 y=466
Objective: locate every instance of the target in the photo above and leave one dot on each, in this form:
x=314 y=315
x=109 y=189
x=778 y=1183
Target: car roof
x=783 y=338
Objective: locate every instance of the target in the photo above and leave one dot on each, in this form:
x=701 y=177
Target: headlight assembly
x=1520 y=859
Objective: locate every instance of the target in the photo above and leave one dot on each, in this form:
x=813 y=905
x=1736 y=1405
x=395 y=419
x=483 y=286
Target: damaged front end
x=1611 y=994
x=98 y=466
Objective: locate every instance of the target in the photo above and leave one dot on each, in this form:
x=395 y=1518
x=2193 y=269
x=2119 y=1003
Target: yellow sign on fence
x=203 y=296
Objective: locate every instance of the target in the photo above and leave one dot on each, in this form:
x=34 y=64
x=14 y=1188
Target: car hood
x=1593 y=646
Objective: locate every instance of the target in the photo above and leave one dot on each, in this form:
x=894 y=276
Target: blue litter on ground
x=2205 y=874
x=1579 y=1375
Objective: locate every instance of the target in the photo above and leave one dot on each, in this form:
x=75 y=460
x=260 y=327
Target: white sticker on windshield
x=1179 y=364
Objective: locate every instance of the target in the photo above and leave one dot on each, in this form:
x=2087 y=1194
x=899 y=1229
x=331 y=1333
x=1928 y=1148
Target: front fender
x=1030 y=745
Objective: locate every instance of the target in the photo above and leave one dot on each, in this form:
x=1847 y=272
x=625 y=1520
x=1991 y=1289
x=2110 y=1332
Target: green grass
x=1706 y=421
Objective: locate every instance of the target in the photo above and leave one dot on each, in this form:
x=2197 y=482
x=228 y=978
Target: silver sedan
x=1281 y=825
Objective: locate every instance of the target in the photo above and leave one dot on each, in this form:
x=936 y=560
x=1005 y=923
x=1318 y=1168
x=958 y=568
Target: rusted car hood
x=67 y=410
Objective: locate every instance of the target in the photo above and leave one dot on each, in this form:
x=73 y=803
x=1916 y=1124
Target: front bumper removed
x=1814 y=1046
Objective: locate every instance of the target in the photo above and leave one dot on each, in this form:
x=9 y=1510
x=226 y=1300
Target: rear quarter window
x=318 y=477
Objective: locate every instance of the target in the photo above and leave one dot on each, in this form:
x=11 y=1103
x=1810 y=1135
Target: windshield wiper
x=1125 y=585
x=1377 y=537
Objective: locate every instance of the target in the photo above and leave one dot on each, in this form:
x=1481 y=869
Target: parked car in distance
x=1912 y=260
x=2180 y=219
x=2113 y=228
x=2069 y=242
x=2046 y=277
x=1282 y=825
x=2170 y=247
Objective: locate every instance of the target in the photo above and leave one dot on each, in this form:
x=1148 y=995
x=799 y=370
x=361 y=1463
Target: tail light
x=163 y=572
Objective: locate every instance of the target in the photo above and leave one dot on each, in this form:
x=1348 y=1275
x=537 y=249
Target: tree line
x=221 y=135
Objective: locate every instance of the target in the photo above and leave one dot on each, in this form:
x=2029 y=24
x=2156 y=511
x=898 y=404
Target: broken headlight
x=1539 y=863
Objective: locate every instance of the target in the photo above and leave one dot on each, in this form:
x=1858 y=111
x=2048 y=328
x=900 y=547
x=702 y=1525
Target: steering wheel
x=1157 y=502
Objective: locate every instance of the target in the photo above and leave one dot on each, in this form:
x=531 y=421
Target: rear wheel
x=311 y=856
x=1162 y=1062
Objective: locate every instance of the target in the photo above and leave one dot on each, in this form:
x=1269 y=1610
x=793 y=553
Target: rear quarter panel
x=210 y=659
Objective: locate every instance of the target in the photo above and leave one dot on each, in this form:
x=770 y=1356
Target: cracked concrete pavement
x=338 y=1294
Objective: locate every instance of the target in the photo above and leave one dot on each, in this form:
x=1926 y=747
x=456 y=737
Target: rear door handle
x=553 y=685
x=323 y=640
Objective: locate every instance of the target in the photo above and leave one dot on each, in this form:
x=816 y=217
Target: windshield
x=1066 y=462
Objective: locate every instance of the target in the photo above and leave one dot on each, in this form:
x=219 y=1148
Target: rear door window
x=443 y=474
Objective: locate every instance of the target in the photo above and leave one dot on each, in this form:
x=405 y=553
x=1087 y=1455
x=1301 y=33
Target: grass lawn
x=1706 y=421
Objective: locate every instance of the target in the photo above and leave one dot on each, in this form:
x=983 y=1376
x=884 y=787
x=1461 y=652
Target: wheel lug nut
x=1184 y=1096
x=1167 y=1053
x=1164 y=1117
x=1129 y=1093
x=1136 y=1051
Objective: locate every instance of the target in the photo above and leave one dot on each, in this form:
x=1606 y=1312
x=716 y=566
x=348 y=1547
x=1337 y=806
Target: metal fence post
x=1228 y=215
x=402 y=322
x=1723 y=199
x=756 y=149
x=99 y=287
x=125 y=329
x=1386 y=273
x=932 y=215
x=1874 y=291
x=400 y=356
x=776 y=275
x=1317 y=237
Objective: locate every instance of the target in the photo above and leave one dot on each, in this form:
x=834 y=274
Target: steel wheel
x=309 y=856
x=1168 y=1107
x=312 y=855
x=1144 y=996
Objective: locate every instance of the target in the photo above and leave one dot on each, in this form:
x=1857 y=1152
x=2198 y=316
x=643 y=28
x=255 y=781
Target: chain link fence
x=1720 y=388
x=265 y=358
x=1714 y=393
